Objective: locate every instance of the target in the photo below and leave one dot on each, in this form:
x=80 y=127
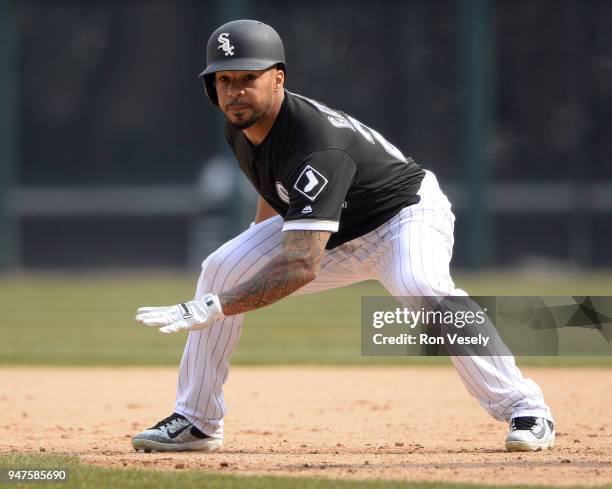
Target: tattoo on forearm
x=295 y=266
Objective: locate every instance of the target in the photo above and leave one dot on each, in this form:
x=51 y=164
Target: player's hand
x=187 y=316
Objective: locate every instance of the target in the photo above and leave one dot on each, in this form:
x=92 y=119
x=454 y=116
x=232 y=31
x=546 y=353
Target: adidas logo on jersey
x=307 y=210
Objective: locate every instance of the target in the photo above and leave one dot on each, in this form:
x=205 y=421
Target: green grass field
x=89 y=477
x=87 y=320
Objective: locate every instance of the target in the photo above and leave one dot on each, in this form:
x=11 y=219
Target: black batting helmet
x=241 y=45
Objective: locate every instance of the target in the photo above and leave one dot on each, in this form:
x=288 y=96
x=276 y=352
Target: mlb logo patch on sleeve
x=310 y=183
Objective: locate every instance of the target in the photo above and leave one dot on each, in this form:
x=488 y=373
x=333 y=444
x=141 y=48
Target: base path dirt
x=360 y=423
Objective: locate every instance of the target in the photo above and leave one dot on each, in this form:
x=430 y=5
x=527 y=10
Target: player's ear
x=279 y=79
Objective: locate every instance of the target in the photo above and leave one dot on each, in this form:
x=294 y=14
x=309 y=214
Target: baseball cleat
x=174 y=434
x=529 y=434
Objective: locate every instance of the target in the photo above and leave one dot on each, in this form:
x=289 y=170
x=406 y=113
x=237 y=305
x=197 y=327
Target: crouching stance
x=338 y=204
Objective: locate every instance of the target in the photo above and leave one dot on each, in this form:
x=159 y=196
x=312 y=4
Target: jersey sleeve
x=317 y=191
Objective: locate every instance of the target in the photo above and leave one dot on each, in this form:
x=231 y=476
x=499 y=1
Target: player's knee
x=421 y=284
x=218 y=272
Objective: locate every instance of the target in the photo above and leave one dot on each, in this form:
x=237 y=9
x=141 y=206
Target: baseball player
x=338 y=204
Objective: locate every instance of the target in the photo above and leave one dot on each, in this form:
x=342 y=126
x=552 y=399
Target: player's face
x=245 y=96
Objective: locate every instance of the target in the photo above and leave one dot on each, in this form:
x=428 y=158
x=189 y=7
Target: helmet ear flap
x=211 y=90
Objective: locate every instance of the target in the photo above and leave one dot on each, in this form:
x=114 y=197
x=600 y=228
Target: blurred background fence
x=111 y=155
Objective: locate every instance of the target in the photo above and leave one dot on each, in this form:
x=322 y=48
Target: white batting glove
x=187 y=316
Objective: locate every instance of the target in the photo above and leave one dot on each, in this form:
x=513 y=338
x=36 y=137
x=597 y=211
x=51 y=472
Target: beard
x=246 y=123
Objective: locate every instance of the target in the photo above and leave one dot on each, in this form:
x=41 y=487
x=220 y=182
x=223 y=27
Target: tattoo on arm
x=297 y=264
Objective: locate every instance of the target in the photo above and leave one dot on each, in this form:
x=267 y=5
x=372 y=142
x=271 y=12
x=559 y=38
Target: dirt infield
x=386 y=423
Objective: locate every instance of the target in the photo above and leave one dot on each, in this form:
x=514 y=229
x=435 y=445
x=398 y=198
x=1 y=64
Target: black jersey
x=321 y=169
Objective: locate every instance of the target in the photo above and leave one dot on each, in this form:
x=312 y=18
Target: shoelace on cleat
x=169 y=420
x=523 y=423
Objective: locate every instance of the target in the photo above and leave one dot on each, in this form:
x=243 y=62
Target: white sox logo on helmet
x=228 y=49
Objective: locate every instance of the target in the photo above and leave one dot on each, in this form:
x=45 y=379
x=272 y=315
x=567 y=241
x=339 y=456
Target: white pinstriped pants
x=409 y=255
